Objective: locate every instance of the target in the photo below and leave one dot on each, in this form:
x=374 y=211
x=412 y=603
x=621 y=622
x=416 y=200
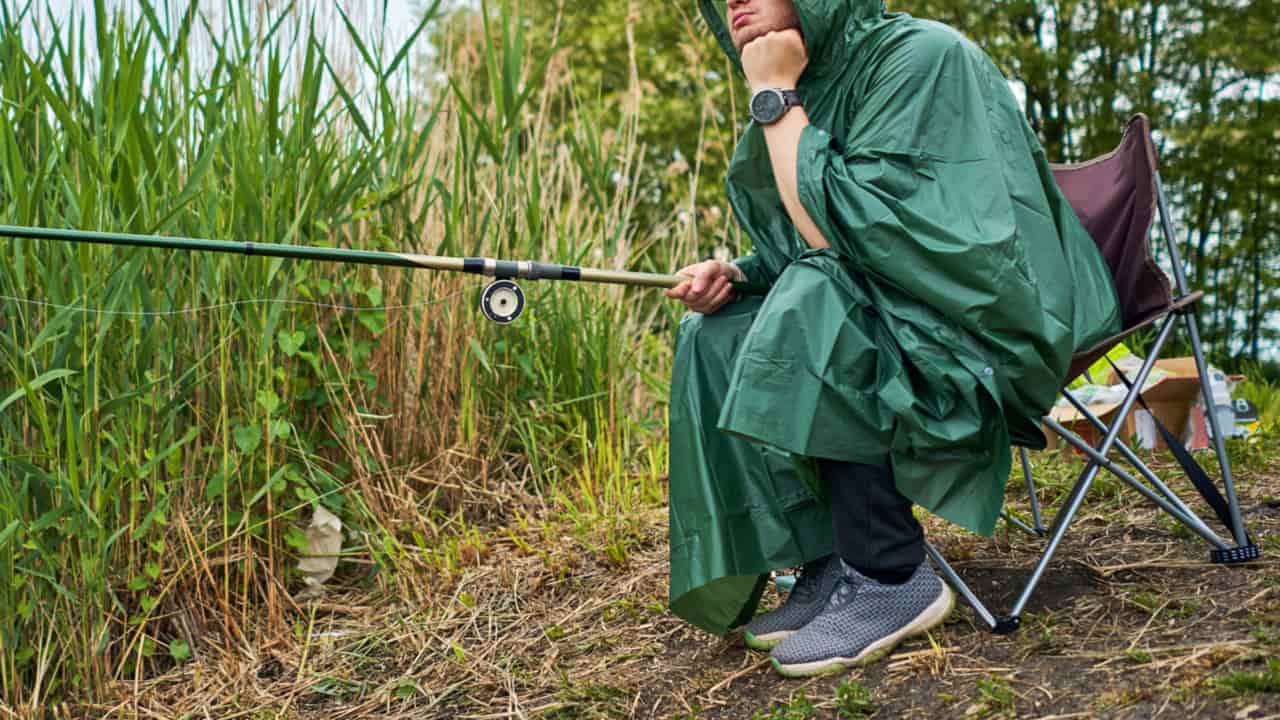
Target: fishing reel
x=502 y=301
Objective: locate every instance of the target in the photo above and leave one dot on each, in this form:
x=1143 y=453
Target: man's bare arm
x=783 y=138
x=776 y=60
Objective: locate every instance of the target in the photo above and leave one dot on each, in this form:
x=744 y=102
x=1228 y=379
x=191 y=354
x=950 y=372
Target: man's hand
x=709 y=286
x=775 y=60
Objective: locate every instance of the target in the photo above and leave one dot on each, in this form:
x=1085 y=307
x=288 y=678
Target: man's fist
x=775 y=60
x=709 y=287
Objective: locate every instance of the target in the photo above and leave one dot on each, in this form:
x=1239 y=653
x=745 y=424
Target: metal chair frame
x=1237 y=549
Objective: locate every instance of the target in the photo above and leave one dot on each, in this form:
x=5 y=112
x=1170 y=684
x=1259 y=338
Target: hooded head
x=825 y=24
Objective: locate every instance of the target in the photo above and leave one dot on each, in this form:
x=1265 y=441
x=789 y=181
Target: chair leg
x=1197 y=349
x=1018 y=523
x=956 y=582
x=1219 y=442
x=1062 y=522
x=1031 y=492
x=1037 y=529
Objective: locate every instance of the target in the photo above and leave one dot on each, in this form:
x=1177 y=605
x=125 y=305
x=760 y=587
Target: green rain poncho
x=933 y=333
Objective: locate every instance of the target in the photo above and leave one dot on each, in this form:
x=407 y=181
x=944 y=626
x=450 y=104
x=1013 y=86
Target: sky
x=400 y=13
x=401 y=18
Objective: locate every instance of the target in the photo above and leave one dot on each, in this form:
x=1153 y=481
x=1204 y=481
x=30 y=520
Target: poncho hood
x=828 y=27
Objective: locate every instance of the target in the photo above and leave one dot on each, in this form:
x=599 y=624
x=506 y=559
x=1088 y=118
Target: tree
x=1207 y=72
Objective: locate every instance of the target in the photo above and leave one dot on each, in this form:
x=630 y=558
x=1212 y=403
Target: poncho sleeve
x=917 y=194
x=754 y=268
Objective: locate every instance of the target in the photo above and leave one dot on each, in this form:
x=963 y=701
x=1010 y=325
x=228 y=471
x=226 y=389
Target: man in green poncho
x=929 y=284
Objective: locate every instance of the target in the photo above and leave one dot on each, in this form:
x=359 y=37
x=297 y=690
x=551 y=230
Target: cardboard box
x=1171 y=399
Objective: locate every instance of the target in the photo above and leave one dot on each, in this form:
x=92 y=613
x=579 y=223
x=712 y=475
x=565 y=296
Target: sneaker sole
x=932 y=616
x=767 y=641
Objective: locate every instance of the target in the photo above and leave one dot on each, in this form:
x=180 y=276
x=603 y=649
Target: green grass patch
x=1247 y=683
x=797 y=708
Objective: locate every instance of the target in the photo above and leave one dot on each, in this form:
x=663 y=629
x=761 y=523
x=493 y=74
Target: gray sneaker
x=818 y=579
x=862 y=621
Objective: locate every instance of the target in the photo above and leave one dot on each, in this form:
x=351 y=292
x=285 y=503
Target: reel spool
x=502 y=301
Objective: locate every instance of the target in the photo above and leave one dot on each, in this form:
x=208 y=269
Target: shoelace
x=845 y=588
x=810 y=579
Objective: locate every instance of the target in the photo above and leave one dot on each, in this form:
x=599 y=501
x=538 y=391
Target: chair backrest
x=1115 y=197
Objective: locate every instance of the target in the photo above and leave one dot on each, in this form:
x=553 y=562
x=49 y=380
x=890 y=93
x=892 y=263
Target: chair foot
x=1232 y=556
x=1007 y=625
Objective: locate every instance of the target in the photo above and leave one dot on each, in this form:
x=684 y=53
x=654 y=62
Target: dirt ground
x=1130 y=622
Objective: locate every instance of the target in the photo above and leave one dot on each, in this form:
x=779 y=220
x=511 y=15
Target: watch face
x=767 y=106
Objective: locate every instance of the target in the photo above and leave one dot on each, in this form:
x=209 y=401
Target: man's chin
x=743 y=40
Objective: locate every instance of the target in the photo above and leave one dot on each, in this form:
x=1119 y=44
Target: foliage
x=662 y=70
x=167 y=422
x=1244 y=683
x=1205 y=72
x=149 y=454
x=994 y=696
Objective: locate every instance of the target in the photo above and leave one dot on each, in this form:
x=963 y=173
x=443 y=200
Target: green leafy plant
x=995 y=696
x=854 y=700
x=797 y=708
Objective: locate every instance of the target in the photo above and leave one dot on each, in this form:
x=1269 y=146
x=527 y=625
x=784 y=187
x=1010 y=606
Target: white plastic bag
x=324 y=543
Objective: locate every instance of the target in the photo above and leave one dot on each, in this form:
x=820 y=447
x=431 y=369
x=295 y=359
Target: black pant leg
x=875 y=531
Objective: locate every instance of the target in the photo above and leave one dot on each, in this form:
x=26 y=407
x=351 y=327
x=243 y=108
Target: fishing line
x=220 y=306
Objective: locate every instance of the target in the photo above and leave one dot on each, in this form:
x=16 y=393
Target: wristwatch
x=768 y=105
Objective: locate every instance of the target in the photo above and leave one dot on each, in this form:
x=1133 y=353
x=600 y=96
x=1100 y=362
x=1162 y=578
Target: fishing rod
x=502 y=301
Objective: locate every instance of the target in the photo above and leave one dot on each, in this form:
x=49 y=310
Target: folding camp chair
x=1117 y=196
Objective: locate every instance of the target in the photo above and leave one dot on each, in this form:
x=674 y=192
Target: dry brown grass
x=540 y=621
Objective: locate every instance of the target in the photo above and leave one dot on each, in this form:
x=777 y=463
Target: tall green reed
x=154 y=463
x=158 y=467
